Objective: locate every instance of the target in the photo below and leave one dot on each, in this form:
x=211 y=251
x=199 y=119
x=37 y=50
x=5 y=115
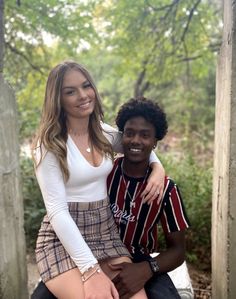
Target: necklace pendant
x=132 y=204
x=88 y=150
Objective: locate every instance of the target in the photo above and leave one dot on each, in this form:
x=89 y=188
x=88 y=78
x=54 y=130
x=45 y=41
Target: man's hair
x=147 y=109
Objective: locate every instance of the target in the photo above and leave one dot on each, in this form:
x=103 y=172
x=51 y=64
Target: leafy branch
x=25 y=57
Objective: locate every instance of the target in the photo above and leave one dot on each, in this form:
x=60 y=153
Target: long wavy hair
x=52 y=133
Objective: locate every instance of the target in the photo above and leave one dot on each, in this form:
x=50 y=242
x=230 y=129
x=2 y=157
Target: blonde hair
x=52 y=134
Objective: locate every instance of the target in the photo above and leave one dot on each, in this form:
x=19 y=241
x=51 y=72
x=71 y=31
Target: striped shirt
x=137 y=222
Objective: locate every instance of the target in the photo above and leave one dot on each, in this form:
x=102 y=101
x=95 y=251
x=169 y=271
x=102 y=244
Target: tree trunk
x=13 y=278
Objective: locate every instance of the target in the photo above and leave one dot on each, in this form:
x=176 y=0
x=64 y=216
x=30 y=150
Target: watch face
x=154 y=266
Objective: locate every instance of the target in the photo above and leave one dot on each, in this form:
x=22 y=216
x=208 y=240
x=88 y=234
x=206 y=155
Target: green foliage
x=28 y=27
x=195 y=182
x=191 y=107
x=30 y=101
x=163 y=49
x=33 y=204
x=162 y=38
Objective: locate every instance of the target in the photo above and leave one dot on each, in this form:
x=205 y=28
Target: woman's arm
x=155 y=185
x=52 y=186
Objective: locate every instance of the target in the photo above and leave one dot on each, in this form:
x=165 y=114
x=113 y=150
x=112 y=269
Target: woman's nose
x=81 y=93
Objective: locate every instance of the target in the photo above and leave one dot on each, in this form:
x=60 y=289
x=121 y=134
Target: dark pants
x=158 y=287
x=161 y=287
x=42 y=292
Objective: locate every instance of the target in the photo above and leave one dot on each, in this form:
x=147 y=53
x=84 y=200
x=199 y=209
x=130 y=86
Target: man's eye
x=128 y=134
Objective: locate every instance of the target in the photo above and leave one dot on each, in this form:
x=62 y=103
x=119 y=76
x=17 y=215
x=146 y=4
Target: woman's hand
x=99 y=286
x=155 y=184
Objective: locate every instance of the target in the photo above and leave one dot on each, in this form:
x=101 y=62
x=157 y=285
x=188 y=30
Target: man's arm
x=174 y=256
x=133 y=277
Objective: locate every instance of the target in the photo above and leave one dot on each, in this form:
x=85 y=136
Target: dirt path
x=201 y=282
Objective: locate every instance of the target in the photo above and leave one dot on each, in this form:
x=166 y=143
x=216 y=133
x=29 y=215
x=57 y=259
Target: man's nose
x=136 y=138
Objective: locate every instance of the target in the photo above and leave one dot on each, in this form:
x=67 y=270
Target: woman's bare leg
x=67 y=285
x=140 y=295
x=112 y=274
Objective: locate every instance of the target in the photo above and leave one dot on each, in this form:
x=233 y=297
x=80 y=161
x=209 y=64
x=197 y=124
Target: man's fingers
x=116 y=280
x=119 y=286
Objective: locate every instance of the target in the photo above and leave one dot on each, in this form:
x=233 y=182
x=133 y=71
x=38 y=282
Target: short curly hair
x=147 y=109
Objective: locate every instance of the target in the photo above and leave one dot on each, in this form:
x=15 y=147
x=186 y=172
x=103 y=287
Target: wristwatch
x=153 y=265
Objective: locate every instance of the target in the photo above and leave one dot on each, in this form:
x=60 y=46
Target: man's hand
x=132 y=278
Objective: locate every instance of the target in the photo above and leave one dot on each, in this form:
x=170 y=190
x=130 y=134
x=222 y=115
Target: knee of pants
x=42 y=292
x=161 y=287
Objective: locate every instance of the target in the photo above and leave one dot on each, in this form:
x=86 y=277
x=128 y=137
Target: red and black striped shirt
x=137 y=221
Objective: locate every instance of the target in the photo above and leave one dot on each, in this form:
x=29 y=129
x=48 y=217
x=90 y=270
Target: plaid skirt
x=96 y=224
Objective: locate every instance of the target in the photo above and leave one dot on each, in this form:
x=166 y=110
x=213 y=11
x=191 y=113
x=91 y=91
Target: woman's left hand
x=155 y=184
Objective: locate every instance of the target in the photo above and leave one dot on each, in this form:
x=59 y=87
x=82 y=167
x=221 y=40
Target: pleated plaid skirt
x=96 y=224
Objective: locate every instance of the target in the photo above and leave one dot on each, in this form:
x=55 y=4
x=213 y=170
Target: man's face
x=138 y=139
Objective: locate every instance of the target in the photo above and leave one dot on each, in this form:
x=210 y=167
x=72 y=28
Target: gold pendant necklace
x=80 y=136
x=135 y=196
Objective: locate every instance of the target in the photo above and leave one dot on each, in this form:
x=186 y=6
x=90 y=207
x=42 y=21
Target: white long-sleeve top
x=86 y=183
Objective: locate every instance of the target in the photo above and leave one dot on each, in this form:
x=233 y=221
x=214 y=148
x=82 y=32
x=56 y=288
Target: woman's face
x=77 y=95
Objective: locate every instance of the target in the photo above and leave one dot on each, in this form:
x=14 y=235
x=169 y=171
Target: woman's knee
x=67 y=285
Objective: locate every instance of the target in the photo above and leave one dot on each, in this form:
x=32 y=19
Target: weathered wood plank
x=13 y=278
x=224 y=180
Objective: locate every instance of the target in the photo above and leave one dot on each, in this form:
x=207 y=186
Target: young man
x=143 y=123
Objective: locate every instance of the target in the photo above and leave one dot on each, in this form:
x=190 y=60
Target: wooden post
x=13 y=278
x=1 y=35
x=224 y=180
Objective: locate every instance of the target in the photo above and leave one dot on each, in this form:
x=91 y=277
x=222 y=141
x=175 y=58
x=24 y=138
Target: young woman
x=73 y=154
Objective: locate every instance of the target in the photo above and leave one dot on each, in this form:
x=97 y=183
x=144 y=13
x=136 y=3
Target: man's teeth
x=135 y=150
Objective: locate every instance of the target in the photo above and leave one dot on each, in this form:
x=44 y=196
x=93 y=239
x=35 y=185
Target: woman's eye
x=70 y=92
x=87 y=85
